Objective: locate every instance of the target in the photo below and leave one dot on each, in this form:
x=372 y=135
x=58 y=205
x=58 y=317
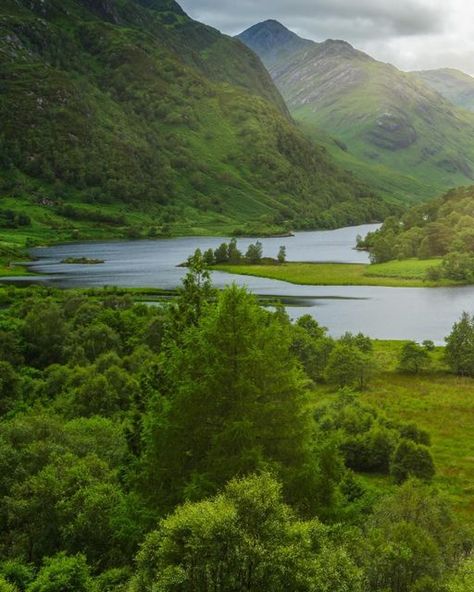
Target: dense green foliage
x=443 y=227
x=116 y=108
x=184 y=434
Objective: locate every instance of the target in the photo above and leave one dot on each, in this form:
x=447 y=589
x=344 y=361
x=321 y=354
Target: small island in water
x=82 y=261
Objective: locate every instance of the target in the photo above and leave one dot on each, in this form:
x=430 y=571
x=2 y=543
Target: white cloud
x=412 y=34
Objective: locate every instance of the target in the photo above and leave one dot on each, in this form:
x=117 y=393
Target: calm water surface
x=385 y=313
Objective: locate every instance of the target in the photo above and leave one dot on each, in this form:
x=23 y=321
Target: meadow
x=407 y=273
x=437 y=401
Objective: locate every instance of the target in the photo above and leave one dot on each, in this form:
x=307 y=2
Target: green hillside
x=390 y=126
x=126 y=117
x=454 y=85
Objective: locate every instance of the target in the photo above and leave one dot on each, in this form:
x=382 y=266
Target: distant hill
x=454 y=85
x=388 y=125
x=131 y=107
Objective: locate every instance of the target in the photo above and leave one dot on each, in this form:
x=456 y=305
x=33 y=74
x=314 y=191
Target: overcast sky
x=412 y=34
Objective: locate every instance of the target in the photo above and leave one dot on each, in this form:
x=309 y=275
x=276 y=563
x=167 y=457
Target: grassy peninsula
x=409 y=273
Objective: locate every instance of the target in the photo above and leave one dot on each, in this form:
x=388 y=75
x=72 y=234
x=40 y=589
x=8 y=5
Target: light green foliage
x=463 y=579
x=63 y=573
x=6 y=586
x=348 y=366
x=405 y=273
x=245 y=539
x=414 y=358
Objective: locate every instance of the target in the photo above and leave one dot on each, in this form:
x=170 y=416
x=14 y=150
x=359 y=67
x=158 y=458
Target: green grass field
x=408 y=273
x=439 y=402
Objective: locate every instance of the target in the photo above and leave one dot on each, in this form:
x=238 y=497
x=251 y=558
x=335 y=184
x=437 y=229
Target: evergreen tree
x=238 y=404
x=254 y=253
x=460 y=346
x=282 y=254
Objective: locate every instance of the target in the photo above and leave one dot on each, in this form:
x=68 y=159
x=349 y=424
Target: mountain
x=454 y=85
x=273 y=42
x=120 y=114
x=385 y=124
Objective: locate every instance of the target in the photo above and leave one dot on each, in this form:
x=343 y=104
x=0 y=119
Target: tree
x=254 y=252
x=412 y=460
x=413 y=358
x=412 y=540
x=221 y=254
x=63 y=573
x=348 y=366
x=460 y=346
x=245 y=540
x=238 y=404
x=209 y=258
x=233 y=254
x=196 y=292
x=282 y=254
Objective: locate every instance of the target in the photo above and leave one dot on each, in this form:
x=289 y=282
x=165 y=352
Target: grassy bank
x=437 y=401
x=408 y=273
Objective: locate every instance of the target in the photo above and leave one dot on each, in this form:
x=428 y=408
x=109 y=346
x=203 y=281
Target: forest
x=188 y=446
x=440 y=228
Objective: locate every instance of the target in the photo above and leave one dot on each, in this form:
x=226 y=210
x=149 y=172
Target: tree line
x=442 y=228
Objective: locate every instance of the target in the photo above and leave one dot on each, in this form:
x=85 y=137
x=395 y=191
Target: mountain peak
x=271 y=40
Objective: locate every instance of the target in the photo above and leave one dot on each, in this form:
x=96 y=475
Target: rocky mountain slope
x=388 y=123
x=114 y=108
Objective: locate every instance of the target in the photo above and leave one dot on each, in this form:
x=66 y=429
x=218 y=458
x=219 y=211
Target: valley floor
x=407 y=273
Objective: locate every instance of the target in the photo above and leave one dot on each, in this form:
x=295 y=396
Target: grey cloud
x=364 y=18
x=412 y=34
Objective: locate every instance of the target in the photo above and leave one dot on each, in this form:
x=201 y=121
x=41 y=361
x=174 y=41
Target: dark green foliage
x=254 y=252
x=282 y=254
x=234 y=387
x=369 y=442
x=412 y=460
x=460 y=346
x=439 y=228
x=133 y=107
x=411 y=537
x=202 y=400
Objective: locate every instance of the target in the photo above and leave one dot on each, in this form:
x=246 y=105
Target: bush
x=413 y=358
x=412 y=460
